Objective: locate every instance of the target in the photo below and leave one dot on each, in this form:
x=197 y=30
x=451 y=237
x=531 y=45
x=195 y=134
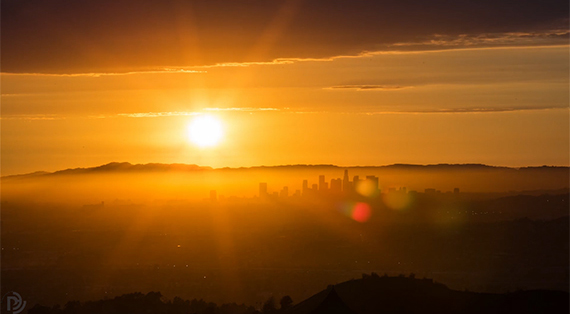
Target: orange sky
x=453 y=93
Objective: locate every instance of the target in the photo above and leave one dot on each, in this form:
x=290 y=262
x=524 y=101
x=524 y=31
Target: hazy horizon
x=149 y=182
x=206 y=167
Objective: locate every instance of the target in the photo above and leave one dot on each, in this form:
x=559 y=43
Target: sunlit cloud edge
x=368 y=87
x=469 y=110
x=558 y=38
x=100 y=74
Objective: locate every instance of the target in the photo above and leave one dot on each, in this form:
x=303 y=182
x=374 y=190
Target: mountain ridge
x=180 y=167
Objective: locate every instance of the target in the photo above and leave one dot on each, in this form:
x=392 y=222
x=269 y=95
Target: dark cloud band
x=79 y=36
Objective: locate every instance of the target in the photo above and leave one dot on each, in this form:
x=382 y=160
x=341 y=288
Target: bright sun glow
x=205 y=131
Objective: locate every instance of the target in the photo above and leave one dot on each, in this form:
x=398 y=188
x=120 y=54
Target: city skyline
x=367 y=187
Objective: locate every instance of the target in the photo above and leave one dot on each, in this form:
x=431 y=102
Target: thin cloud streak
x=247 y=109
x=191 y=113
x=158 y=114
x=15 y=95
x=450 y=49
x=163 y=71
x=368 y=87
x=488 y=40
x=435 y=44
x=468 y=110
x=284 y=110
x=439 y=43
x=32 y=117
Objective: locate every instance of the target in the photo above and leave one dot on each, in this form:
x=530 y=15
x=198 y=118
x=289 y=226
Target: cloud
x=242 y=109
x=370 y=87
x=487 y=40
x=32 y=117
x=310 y=111
x=107 y=36
x=158 y=114
x=100 y=74
x=189 y=113
x=101 y=116
x=468 y=110
x=15 y=95
x=464 y=110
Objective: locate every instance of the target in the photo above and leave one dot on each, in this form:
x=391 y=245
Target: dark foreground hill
x=375 y=294
x=371 y=294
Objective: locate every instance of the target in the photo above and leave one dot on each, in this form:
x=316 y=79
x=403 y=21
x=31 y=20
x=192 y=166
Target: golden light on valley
x=205 y=131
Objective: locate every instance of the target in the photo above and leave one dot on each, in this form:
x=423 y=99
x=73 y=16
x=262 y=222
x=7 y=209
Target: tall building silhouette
x=336 y=185
x=355 y=181
x=284 y=192
x=305 y=187
x=322 y=183
x=263 y=189
x=374 y=180
x=346 y=184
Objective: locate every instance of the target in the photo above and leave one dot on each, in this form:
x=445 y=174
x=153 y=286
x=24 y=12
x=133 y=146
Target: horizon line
x=201 y=167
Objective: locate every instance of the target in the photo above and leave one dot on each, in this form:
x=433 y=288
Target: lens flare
x=360 y=212
x=366 y=188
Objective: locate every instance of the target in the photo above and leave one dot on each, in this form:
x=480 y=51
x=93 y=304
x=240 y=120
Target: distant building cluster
x=336 y=186
x=368 y=186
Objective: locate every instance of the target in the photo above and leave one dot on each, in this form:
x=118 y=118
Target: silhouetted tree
x=153 y=302
x=153 y=297
x=39 y=309
x=269 y=306
x=211 y=309
x=286 y=302
x=198 y=306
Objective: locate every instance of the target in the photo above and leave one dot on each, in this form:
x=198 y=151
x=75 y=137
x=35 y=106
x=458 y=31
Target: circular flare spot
x=366 y=188
x=361 y=212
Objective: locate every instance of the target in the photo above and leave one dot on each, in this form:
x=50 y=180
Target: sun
x=205 y=131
